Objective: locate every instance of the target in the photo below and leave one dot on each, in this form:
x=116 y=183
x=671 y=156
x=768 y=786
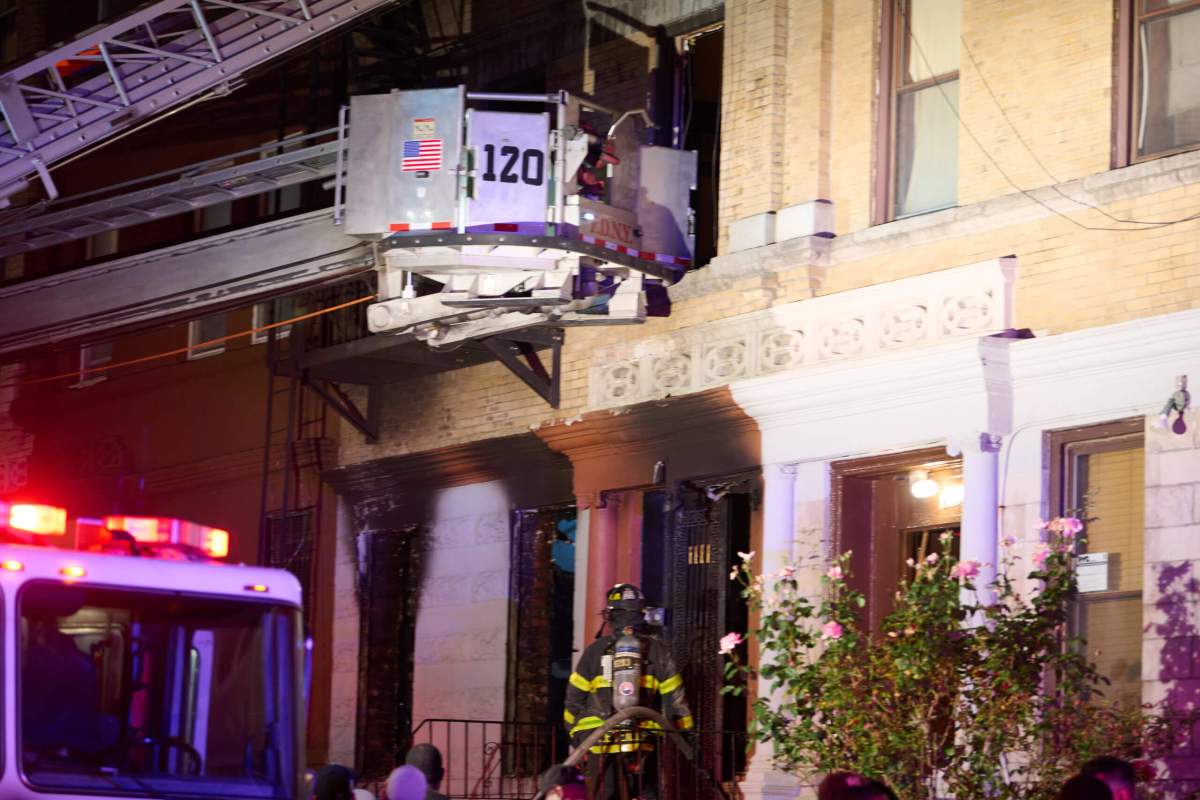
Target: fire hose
x=637 y=712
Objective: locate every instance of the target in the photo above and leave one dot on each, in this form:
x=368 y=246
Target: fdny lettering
x=605 y=228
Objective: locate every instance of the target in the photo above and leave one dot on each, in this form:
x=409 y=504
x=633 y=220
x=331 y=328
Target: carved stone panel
x=974 y=300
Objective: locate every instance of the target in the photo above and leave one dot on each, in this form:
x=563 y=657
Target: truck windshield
x=154 y=693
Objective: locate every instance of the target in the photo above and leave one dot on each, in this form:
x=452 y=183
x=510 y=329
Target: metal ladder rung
x=137 y=67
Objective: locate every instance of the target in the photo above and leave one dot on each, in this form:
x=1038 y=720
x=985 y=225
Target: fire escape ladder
x=160 y=57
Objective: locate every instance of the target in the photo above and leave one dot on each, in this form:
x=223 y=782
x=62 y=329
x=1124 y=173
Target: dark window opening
x=699 y=128
x=290 y=547
x=388 y=596
x=541 y=636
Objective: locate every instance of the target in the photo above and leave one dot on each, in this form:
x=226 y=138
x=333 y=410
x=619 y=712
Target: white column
x=980 y=512
x=763 y=781
x=779 y=515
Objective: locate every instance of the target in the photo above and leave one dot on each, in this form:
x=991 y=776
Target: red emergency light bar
x=170 y=532
x=33 y=518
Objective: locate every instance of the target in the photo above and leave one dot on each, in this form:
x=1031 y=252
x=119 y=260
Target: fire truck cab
x=136 y=665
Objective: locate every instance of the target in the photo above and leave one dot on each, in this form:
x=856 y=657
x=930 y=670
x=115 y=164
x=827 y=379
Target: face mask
x=627 y=619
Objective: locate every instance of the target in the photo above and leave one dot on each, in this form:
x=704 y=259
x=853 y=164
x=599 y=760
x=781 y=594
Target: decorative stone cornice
x=963 y=302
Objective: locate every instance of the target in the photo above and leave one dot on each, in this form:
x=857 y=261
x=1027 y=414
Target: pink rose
x=786 y=572
x=965 y=569
x=831 y=630
x=1008 y=541
x=1040 y=555
x=1071 y=527
x=931 y=558
x=729 y=641
x=834 y=573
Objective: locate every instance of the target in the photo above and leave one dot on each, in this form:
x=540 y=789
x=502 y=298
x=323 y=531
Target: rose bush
x=951 y=695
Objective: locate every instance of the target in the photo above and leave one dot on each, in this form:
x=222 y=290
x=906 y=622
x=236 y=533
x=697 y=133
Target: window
x=206 y=330
x=698 y=123
x=1097 y=474
x=1158 y=96
x=917 y=134
x=216 y=216
x=290 y=547
x=280 y=308
x=138 y=693
x=101 y=244
x=92 y=359
x=541 y=625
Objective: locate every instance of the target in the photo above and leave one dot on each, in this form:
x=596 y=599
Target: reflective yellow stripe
x=621 y=748
x=580 y=683
x=599 y=682
x=568 y=717
x=685 y=723
x=670 y=684
x=586 y=724
x=650 y=682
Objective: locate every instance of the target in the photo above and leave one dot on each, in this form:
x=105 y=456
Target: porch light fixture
x=951 y=496
x=1179 y=403
x=921 y=485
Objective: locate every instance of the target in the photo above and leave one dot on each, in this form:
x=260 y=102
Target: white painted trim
x=907 y=399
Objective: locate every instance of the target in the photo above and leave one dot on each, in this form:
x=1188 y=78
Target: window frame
x=91 y=369
x=1127 y=96
x=194 y=338
x=892 y=50
x=1059 y=449
x=267 y=313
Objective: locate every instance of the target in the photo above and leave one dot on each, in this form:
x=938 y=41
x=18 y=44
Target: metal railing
x=494 y=760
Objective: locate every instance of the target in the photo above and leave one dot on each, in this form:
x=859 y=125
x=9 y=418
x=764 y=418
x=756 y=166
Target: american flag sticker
x=421 y=155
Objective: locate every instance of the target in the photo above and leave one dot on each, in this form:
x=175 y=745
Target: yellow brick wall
x=1070 y=278
x=855 y=31
x=806 y=156
x=754 y=99
x=1050 y=67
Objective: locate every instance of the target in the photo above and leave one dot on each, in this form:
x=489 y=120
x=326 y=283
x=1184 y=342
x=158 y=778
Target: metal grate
x=290 y=547
x=388 y=597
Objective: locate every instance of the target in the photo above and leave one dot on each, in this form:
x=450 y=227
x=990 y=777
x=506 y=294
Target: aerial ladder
x=154 y=60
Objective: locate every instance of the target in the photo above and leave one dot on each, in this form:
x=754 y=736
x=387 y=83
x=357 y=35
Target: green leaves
x=926 y=702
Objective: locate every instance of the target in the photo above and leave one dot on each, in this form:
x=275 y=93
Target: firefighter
x=628 y=667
